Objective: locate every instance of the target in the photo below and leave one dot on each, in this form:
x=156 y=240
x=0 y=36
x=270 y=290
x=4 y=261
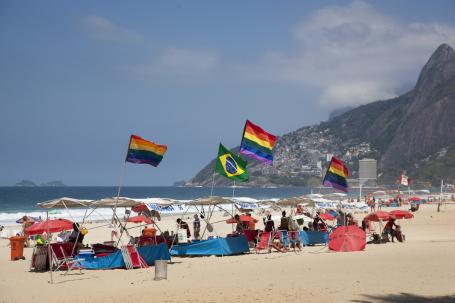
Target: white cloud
x=354 y=54
x=103 y=29
x=180 y=62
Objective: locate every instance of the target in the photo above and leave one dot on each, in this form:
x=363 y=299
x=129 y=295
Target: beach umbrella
x=294 y=201
x=144 y=210
x=414 y=199
x=210 y=201
x=379 y=216
x=402 y=214
x=28 y=219
x=326 y=217
x=53 y=226
x=140 y=219
x=243 y=218
x=347 y=238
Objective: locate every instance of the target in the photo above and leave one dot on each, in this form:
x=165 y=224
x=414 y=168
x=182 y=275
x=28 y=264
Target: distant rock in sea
x=53 y=184
x=25 y=183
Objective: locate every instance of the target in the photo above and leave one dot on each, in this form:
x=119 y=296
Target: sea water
x=16 y=202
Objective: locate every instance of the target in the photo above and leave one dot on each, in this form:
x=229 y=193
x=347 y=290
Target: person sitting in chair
x=239 y=225
x=388 y=228
x=277 y=244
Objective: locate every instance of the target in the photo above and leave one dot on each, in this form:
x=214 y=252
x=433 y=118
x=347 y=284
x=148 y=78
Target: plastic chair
x=264 y=242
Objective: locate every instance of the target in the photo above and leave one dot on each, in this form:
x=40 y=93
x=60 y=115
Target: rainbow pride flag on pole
x=141 y=151
x=336 y=175
x=257 y=143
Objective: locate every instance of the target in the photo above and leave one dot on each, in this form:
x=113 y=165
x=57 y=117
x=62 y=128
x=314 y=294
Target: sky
x=77 y=78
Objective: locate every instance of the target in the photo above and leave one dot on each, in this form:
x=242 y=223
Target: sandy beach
x=420 y=269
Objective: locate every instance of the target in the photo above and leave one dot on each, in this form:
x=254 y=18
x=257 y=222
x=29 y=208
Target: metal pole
x=122 y=176
x=49 y=246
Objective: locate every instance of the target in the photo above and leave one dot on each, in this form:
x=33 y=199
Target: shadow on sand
x=405 y=298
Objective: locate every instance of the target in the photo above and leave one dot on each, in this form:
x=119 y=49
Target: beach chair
x=264 y=242
x=62 y=261
x=284 y=237
x=132 y=258
x=294 y=237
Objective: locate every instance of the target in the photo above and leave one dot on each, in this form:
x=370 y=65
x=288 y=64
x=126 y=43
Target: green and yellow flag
x=231 y=166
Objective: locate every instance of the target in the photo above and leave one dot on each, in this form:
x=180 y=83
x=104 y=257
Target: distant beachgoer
x=239 y=225
x=196 y=227
x=25 y=226
x=341 y=218
x=182 y=224
x=284 y=223
x=318 y=222
x=269 y=224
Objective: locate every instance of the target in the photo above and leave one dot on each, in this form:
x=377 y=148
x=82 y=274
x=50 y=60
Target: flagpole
x=232 y=204
x=121 y=178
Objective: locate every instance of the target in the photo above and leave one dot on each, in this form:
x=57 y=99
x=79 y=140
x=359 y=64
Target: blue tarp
x=314 y=237
x=115 y=260
x=218 y=246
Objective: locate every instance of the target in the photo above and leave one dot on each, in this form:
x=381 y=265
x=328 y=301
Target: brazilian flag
x=231 y=166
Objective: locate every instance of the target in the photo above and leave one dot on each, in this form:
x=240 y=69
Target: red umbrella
x=402 y=214
x=326 y=217
x=243 y=218
x=414 y=199
x=140 y=219
x=379 y=216
x=53 y=226
x=347 y=238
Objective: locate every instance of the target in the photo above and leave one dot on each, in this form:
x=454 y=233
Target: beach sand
x=420 y=269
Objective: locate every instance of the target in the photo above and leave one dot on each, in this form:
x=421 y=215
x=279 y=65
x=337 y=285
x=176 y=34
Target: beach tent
x=347 y=238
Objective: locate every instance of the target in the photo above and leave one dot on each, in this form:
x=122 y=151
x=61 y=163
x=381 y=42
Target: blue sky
x=77 y=78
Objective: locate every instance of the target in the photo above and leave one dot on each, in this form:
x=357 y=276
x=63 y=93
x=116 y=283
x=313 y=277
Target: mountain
x=413 y=132
x=25 y=183
x=53 y=184
x=338 y=112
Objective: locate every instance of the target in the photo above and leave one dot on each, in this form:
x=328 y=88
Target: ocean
x=18 y=201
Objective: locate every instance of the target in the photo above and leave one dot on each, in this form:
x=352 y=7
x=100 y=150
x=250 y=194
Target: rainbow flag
x=336 y=175
x=144 y=152
x=257 y=143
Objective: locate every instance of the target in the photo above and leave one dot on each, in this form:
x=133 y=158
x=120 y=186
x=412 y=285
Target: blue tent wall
x=218 y=246
x=115 y=260
x=314 y=237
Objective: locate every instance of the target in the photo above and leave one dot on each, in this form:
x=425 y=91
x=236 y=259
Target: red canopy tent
x=326 y=217
x=402 y=214
x=53 y=226
x=347 y=238
x=140 y=219
x=243 y=218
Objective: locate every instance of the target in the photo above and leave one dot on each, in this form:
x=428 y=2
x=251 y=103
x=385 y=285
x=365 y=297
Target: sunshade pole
x=122 y=177
x=49 y=247
x=232 y=204
x=213 y=183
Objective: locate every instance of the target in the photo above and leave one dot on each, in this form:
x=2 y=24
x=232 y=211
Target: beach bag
x=294 y=226
x=181 y=236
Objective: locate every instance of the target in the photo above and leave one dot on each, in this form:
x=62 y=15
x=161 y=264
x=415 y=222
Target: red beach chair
x=264 y=242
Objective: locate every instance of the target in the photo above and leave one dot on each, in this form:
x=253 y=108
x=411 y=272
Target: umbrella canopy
x=415 y=199
x=243 y=218
x=64 y=202
x=326 y=217
x=347 y=238
x=56 y=225
x=379 y=216
x=144 y=210
x=294 y=201
x=210 y=201
x=140 y=219
x=402 y=214
x=28 y=219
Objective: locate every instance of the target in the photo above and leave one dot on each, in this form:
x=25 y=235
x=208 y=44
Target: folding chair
x=264 y=241
x=284 y=237
x=61 y=261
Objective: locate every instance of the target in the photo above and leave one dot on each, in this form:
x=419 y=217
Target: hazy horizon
x=77 y=79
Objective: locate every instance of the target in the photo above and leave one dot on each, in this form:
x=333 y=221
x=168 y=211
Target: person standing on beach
x=25 y=226
x=196 y=227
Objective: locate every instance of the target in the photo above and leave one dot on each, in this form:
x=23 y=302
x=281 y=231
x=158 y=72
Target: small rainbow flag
x=141 y=151
x=257 y=143
x=336 y=175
